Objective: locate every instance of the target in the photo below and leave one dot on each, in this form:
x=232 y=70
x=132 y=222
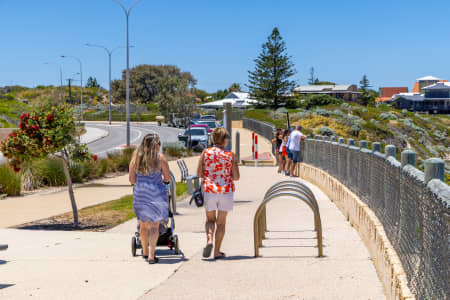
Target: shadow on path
x=4 y=286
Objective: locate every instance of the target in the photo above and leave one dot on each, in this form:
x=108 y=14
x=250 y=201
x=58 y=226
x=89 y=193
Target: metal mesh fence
x=415 y=216
x=364 y=174
x=353 y=168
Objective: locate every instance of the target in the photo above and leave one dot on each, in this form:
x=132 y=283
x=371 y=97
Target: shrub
x=175 y=149
x=319 y=100
x=10 y=181
x=76 y=172
x=51 y=171
x=388 y=116
x=326 y=131
x=322 y=112
x=339 y=113
x=345 y=105
x=355 y=129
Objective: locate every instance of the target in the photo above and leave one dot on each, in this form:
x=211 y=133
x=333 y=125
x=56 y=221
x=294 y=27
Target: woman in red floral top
x=218 y=169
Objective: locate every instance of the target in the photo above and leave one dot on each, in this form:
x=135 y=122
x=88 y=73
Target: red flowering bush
x=48 y=131
x=41 y=133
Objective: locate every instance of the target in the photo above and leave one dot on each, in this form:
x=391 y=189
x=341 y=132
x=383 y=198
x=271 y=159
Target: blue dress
x=150 y=198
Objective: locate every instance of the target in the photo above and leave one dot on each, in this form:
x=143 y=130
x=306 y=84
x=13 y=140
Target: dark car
x=207 y=117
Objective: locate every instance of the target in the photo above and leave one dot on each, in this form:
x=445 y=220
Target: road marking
x=118 y=147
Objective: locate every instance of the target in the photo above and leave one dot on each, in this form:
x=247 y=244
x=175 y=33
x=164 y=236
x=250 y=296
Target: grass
x=181 y=188
x=10 y=182
x=100 y=217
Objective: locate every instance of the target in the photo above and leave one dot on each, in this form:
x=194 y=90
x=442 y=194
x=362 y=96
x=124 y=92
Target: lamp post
x=127 y=15
x=109 y=52
x=81 y=81
x=60 y=79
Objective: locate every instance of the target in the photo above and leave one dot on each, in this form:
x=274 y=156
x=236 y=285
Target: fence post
x=363 y=144
x=390 y=150
x=228 y=112
x=341 y=141
x=351 y=142
x=376 y=147
x=434 y=169
x=333 y=138
x=408 y=158
x=238 y=147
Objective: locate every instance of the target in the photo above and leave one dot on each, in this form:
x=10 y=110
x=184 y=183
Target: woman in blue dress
x=149 y=172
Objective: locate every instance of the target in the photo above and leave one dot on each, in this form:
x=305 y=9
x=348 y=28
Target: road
x=117 y=135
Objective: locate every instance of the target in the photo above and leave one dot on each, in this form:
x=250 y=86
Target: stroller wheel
x=133 y=246
x=176 y=244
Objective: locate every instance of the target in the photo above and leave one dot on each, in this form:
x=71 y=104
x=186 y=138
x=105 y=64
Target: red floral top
x=217 y=166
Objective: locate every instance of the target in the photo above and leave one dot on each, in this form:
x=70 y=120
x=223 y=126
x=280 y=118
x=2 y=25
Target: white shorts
x=222 y=202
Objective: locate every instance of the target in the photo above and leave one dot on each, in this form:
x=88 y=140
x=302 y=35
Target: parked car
x=212 y=124
x=199 y=137
x=209 y=130
x=207 y=117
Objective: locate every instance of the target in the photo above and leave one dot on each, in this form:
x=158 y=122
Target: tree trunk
x=71 y=194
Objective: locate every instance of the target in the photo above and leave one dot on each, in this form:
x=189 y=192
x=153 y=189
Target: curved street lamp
x=127 y=15
x=81 y=81
x=109 y=52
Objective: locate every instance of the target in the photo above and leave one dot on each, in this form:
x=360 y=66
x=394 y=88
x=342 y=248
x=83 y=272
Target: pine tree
x=92 y=82
x=364 y=83
x=270 y=80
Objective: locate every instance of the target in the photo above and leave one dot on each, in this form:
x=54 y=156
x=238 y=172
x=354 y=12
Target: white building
x=237 y=100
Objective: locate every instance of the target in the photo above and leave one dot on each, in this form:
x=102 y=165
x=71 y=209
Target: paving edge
x=387 y=263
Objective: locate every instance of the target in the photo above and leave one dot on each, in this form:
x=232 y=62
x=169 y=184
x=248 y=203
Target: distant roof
x=439 y=85
x=427 y=78
x=390 y=91
x=322 y=88
x=409 y=96
x=237 y=100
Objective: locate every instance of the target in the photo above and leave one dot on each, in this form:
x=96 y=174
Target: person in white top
x=294 y=148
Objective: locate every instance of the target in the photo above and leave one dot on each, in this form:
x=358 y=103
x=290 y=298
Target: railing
x=293 y=189
x=264 y=129
x=413 y=206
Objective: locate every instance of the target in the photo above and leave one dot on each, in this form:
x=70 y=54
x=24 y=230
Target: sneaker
x=283 y=173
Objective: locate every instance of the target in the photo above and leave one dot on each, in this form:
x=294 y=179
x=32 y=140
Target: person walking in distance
x=294 y=148
x=218 y=170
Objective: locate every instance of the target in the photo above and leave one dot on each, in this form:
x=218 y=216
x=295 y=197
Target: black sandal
x=221 y=256
x=153 y=261
x=145 y=256
x=207 y=250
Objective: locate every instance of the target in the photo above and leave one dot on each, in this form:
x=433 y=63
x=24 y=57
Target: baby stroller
x=166 y=232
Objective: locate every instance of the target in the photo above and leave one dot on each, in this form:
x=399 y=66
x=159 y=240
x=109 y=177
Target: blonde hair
x=219 y=135
x=145 y=157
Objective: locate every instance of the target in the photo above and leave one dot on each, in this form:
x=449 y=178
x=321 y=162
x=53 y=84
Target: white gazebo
x=237 y=100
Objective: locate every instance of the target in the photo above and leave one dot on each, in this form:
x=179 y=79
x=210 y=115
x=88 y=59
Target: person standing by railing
x=293 y=146
x=277 y=141
x=284 y=152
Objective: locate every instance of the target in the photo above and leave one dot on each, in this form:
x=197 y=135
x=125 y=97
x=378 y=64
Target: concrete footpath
x=92 y=134
x=19 y=210
x=82 y=265
x=41 y=205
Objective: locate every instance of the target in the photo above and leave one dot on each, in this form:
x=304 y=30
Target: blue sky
x=393 y=42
